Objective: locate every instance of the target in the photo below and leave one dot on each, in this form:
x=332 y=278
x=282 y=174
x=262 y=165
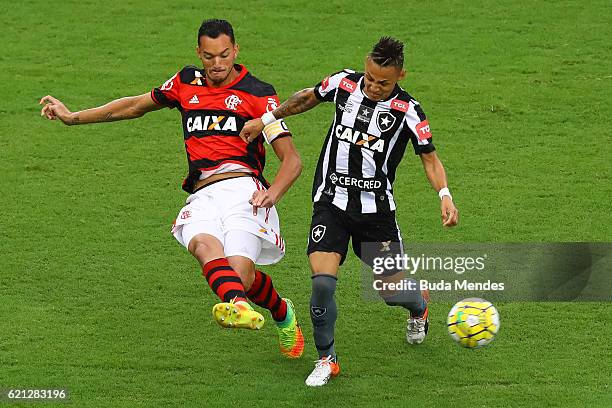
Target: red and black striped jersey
x=212 y=120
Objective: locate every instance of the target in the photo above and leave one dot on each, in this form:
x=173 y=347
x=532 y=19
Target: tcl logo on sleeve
x=400 y=105
x=348 y=85
x=423 y=131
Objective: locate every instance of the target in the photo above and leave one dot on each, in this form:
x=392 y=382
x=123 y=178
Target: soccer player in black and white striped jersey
x=374 y=121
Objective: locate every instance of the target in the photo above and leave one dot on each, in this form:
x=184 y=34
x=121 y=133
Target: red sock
x=263 y=294
x=223 y=280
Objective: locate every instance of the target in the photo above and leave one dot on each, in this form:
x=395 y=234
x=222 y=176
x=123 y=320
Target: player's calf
x=263 y=294
x=224 y=280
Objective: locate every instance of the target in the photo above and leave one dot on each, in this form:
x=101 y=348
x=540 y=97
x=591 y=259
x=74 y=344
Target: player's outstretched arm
x=289 y=171
x=130 y=107
x=300 y=102
x=437 y=177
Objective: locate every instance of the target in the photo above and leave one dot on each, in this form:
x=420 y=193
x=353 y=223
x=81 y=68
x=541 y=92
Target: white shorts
x=222 y=210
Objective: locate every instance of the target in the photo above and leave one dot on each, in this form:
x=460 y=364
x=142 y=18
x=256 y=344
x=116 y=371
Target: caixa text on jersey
x=359 y=138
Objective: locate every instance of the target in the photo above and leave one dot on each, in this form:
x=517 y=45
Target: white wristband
x=267 y=118
x=445 y=192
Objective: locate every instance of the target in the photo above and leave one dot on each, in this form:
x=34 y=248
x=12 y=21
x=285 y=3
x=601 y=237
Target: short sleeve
x=267 y=104
x=417 y=128
x=277 y=129
x=168 y=93
x=326 y=89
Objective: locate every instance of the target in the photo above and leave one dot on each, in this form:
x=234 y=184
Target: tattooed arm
x=130 y=107
x=298 y=103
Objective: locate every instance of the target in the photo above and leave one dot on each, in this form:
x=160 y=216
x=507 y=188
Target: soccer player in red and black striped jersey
x=374 y=121
x=229 y=222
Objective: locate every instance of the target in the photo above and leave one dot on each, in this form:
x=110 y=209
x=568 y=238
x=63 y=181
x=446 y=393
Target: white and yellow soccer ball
x=473 y=322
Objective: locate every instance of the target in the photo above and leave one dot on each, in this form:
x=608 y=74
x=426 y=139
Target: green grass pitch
x=96 y=296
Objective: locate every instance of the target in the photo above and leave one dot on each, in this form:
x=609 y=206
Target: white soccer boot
x=325 y=368
x=418 y=325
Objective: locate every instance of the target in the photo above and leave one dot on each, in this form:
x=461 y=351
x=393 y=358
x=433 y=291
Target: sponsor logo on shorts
x=318 y=232
x=185 y=214
x=386 y=246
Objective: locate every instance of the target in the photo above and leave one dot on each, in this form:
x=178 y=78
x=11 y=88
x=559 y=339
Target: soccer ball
x=473 y=322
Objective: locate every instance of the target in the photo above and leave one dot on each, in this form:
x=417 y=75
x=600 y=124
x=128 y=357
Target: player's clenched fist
x=251 y=130
x=53 y=109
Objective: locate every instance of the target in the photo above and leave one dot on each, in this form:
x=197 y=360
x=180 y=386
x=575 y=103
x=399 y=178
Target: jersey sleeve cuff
x=318 y=95
x=159 y=98
x=428 y=148
x=154 y=98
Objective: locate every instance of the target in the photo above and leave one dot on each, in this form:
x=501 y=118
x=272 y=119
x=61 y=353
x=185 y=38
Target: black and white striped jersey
x=365 y=143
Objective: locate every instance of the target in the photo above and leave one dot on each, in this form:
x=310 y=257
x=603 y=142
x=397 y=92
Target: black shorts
x=372 y=235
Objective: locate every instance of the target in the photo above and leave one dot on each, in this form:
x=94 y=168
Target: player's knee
x=205 y=248
x=323 y=286
x=322 y=304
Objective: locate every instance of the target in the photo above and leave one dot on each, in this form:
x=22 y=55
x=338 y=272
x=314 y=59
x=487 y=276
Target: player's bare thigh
x=325 y=262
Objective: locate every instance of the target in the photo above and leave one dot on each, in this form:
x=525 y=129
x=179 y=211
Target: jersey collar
x=392 y=95
x=242 y=71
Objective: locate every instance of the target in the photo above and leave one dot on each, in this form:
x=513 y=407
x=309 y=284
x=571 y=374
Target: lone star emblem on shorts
x=318 y=232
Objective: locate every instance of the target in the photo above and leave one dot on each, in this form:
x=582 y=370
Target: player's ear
x=236 y=50
x=402 y=74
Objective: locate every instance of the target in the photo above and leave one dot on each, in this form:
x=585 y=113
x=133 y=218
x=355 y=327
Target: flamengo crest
x=232 y=102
